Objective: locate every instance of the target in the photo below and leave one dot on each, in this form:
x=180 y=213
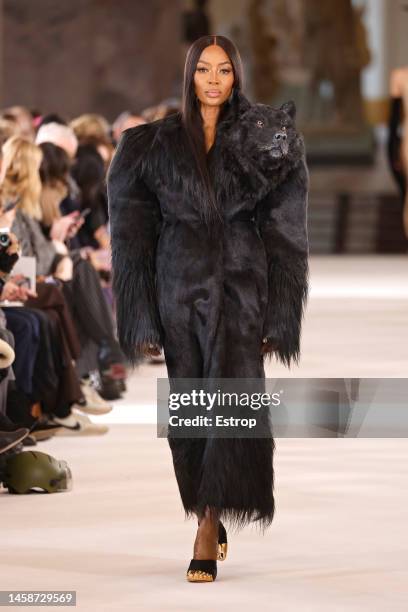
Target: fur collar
x=234 y=172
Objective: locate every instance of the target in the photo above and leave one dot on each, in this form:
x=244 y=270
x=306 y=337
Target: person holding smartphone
x=11 y=288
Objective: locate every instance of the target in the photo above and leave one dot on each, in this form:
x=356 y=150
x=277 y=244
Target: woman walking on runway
x=398 y=136
x=208 y=211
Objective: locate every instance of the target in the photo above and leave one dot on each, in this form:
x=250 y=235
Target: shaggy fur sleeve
x=135 y=218
x=282 y=221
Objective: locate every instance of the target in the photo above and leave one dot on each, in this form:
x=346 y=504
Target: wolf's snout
x=280 y=136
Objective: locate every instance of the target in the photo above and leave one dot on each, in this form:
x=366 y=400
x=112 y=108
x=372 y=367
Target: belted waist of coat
x=243 y=216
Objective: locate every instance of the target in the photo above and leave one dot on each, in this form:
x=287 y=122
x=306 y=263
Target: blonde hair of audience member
x=50 y=199
x=20 y=176
x=90 y=126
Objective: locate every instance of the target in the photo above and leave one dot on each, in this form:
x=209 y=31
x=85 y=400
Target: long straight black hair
x=191 y=115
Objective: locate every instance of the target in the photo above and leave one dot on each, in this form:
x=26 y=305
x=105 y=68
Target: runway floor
x=339 y=539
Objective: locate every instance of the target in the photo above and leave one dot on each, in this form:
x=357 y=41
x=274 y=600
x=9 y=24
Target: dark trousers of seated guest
x=35 y=370
x=45 y=375
x=51 y=301
x=43 y=371
x=69 y=387
x=91 y=314
x=51 y=298
x=51 y=376
x=25 y=328
x=55 y=383
x=6 y=374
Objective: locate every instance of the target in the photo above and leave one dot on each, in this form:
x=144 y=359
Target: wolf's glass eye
x=260 y=123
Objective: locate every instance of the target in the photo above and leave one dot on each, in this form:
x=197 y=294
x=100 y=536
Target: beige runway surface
x=339 y=539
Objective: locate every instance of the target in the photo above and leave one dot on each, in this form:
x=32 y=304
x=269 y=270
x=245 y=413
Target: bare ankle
x=206 y=542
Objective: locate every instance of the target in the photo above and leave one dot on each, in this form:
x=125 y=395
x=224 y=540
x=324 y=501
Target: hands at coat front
x=150 y=350
x=268 y=345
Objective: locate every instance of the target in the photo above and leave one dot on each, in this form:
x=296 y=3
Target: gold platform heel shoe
x=202 y=570
x=222 y=543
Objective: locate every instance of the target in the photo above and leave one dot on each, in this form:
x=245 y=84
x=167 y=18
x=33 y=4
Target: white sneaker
x=94 y=403
x=77 y=424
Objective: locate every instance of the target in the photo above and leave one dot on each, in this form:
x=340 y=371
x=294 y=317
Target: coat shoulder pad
x=140 y=141
x=133 y=149
x=168 y=128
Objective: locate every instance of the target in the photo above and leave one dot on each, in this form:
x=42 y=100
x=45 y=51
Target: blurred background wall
x=128 y=52
x=98 y=55
x=332 y=58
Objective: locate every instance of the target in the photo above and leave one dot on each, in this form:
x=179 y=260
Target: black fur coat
x=209 y=294
x=210 y=297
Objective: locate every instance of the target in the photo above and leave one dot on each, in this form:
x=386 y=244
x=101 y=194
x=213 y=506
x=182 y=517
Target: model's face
x=214 y=76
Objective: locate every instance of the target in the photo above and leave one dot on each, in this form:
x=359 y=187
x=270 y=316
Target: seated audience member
x=20 y=178
x=91 y=127
x=88 y=172
x=160 y=111
x=60 y=135
x=10 y=434
x=50 y=118
x=79 y=283
x=89 y=169
x=83 y=292
x=125 y=120
x=24 y=120
x=55 y=192
x=8 y=128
